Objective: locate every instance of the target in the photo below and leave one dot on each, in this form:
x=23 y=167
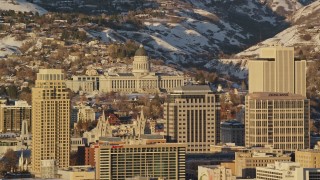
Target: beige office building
x=192 y=116
x=277 y=110
x=141 y=79
x=50 y=120
x=246 y=161
x=276 y=70
x=12 y=115
x=308 y=158
x=117 y=162
x=277 y=119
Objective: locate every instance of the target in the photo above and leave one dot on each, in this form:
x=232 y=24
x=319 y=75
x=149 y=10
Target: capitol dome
x=141 y=64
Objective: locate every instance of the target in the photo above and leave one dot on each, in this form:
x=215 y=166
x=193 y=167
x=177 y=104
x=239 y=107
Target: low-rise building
x=308 y=158
x=214 y=172
x=287 y=171
x=77 y=173
x=246 y=161
x=228 y=147
x=141 y=79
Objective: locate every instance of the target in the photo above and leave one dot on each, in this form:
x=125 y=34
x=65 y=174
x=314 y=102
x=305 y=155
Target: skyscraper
x=12 y=114
x=50 y=120
x=276 y=70
x=192 y=116
x=277 y=110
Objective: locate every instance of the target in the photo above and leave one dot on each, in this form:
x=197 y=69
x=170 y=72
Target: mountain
x=199 y=33
x=195 y=32
x=21 y=5
x=304 y=33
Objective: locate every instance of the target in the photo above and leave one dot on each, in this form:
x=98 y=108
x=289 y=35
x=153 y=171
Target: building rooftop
x=141 y=51
x=125 y=74
x=192 y=88
x=232 y=123
x=275 y=95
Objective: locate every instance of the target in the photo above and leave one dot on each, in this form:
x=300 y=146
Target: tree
x=12 y=91
x=10 y=160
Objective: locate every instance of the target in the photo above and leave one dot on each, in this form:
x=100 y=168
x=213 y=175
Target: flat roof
x=276 y=96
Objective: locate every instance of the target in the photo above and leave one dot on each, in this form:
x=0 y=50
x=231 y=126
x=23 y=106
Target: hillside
x=21 y=5
x=304 y=34
x=197 y=33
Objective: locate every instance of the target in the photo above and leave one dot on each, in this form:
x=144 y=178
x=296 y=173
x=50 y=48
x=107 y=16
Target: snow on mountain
x=8 y=45
x=284 y=7
x=305 y=33
x=21 y=5
x=307 y=12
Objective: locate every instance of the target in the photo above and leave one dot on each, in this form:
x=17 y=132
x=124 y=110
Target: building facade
x=166 y=160
x=214 y=172
x=276 y=70
x=246 y=161
x=50 y=121
x=277 y=119
x=277 y=110
x=287 y=171
x=12 y=114
x=140 y=79
x=308 y=158
x=232 y=131
x=192 y=116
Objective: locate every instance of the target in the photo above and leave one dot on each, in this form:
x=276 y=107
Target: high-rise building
x=192 y=116
x=146 y=158
x=276 y=70
x=12 y=114
x=287 y=171
x=277 y=110
x=277 y=119
x=232 y=131
x=50 y=121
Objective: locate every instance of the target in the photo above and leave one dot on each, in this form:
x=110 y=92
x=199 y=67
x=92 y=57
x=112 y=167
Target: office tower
x=12 y=114
x=145 y=157
x=192 y=116
x=277 y=110
x=287 y=171
x=277 y=119
x=247 y=160
x=50 y=121
x=276 y=70
x=232 y=131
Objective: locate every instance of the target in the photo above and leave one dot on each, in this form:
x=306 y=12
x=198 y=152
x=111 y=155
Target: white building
x=287 y=171
x=141 y=79
x=214 y=172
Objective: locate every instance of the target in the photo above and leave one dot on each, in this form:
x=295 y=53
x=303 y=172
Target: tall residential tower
x=50 y=121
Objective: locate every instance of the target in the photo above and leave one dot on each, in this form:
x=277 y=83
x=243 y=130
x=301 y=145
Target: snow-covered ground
x=8 y=45
x=295 y=35
x=21 y=5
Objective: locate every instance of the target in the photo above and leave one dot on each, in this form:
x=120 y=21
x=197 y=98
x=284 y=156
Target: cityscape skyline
x=159 y=90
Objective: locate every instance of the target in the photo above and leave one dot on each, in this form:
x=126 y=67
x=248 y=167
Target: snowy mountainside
x=304 y=34
x=21 y=5
x=9 y=45
x=199 y=34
